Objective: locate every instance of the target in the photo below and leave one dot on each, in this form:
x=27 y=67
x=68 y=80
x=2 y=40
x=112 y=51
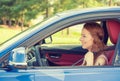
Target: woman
x=92 y=39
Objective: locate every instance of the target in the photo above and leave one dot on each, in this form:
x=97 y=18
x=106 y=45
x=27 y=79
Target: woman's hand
x=88 y=59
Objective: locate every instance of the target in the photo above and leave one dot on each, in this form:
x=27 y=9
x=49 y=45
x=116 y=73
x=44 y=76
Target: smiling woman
x=92 y=40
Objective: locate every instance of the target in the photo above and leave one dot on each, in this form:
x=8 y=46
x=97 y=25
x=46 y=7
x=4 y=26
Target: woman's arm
x=89 y=59
x=101 y=60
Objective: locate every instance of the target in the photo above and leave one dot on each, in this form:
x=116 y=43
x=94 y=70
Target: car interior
x=72 y=54
x=113 y=27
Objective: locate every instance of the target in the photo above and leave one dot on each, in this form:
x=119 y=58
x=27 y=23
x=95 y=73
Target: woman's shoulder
x=102 y=56
x=89 y=54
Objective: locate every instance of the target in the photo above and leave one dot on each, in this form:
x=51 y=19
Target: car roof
x=87 y=10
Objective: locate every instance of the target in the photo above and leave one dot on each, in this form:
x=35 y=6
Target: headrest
x=113 y=27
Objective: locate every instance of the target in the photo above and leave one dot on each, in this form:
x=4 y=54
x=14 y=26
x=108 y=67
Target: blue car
x=41 y=54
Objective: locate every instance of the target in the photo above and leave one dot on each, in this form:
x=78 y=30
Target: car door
x=78 y=74
x=63 y=74
x=68 y=73
x=64 y=55
x=83 y=73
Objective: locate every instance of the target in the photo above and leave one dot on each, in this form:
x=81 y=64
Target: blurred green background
x=19 y=15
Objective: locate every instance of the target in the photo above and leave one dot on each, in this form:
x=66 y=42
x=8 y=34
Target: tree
x=6 y=13
x=22 y=11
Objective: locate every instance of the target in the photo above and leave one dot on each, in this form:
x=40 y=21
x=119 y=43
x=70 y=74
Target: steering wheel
x=31 y=59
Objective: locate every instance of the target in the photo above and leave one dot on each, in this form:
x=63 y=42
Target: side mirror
x=18 y=58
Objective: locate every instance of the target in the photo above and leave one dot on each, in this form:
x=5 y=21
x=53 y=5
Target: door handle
x=55 y=56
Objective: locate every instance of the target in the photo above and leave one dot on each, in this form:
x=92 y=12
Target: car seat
x=113 y=27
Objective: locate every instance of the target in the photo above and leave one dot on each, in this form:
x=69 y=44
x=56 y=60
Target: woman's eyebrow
x=83 y=34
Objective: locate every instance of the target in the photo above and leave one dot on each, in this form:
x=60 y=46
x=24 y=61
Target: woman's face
x=86 y=39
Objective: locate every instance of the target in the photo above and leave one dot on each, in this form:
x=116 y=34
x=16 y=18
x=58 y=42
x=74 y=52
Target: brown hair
x=97 y=33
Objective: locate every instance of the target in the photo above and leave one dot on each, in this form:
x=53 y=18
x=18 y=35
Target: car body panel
x=17 y=75
x=78 y=74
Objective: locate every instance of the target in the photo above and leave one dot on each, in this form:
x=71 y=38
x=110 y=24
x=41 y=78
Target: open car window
x=65 y=49
x=70 y=35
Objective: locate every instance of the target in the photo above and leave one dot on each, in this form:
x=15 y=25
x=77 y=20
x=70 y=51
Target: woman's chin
x=84 y=47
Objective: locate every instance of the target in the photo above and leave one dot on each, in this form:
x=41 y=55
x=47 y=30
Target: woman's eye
x=84 y=36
